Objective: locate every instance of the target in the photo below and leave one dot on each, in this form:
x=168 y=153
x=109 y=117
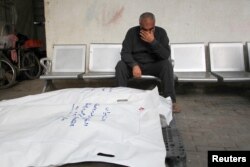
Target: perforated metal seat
x=102 y=60
x=68 y=62
x=228 y=62
x=190 y=63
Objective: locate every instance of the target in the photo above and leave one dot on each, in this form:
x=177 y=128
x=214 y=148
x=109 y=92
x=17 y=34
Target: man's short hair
x=147 y=15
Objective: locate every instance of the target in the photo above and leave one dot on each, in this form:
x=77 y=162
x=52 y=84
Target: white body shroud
x=116 y=125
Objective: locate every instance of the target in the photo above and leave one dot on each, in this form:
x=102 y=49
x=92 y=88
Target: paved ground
x=213 y=117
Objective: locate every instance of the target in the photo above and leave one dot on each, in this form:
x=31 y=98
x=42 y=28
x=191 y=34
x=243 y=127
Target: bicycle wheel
x=7 y=73
x=31 y=64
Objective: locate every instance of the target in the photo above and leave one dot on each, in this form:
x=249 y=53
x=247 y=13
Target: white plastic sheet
x=116 y=125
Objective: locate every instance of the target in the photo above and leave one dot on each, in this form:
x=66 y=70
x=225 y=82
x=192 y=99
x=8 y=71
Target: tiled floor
x=218 y=120
x=212 y=118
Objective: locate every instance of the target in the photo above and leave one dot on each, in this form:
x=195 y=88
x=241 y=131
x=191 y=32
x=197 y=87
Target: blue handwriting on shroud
x=84 y=113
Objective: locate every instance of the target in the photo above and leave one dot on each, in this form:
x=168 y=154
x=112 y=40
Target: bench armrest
x=46 y=63
x=172 y=62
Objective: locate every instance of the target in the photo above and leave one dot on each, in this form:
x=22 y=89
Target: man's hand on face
x=147 y=36
x=136 y=71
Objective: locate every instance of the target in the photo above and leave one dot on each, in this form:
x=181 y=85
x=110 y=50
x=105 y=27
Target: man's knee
x=121 y=73
x=166 y=65
x=121 y=66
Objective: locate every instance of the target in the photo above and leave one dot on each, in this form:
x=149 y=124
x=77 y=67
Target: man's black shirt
x=136 y=51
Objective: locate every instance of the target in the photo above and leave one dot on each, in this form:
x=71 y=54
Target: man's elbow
x=166 y=55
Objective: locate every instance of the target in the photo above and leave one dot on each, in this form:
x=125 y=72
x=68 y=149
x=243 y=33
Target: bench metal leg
x=48 y=84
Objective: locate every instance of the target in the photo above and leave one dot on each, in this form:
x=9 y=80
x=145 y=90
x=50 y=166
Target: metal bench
x=190 y=63
x=68 y=63
x=228 y=62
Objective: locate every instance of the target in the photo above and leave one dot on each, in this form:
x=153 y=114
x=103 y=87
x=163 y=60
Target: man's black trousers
x=161 y=69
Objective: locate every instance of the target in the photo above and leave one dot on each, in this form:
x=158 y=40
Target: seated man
x=146 y=51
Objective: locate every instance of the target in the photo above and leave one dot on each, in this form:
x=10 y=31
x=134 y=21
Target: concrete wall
x=106 y=21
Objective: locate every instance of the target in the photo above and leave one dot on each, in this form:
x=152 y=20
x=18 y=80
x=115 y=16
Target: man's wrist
x=134 y=65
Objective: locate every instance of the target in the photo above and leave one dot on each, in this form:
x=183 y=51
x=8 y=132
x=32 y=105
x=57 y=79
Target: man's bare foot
x=176 y=108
